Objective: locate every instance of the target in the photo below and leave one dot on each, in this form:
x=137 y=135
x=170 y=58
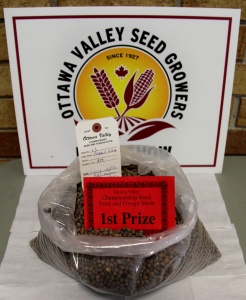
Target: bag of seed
x=122 y=262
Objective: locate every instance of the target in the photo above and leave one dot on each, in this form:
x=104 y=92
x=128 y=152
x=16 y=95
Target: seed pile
x=124 y=275
x=121 y=275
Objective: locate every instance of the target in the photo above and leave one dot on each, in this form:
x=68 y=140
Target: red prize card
x=141 y=203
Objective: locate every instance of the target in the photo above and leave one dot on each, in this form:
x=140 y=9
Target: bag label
x=99 y=148
x=136 y=202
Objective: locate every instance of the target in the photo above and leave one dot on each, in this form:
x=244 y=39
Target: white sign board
x=165 y=75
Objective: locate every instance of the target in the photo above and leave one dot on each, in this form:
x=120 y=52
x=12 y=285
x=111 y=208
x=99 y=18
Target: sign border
x=190 y=17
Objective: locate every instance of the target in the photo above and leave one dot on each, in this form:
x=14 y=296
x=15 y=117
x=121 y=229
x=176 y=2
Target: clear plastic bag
x=57 y=203
x=123 y=265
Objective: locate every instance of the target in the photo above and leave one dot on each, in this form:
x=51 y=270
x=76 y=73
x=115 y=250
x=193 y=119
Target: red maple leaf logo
x=121 y=72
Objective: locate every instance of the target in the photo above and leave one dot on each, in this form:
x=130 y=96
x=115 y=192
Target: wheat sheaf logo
x=131 y=87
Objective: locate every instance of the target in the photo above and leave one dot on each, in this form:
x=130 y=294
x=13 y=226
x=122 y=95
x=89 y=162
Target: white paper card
x=99 y=148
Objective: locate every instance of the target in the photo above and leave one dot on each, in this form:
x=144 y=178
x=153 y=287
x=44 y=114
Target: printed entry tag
x=99 y=148
x=135 y=202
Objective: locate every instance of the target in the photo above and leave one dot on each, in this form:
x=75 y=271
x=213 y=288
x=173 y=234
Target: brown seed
x=118 y=274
